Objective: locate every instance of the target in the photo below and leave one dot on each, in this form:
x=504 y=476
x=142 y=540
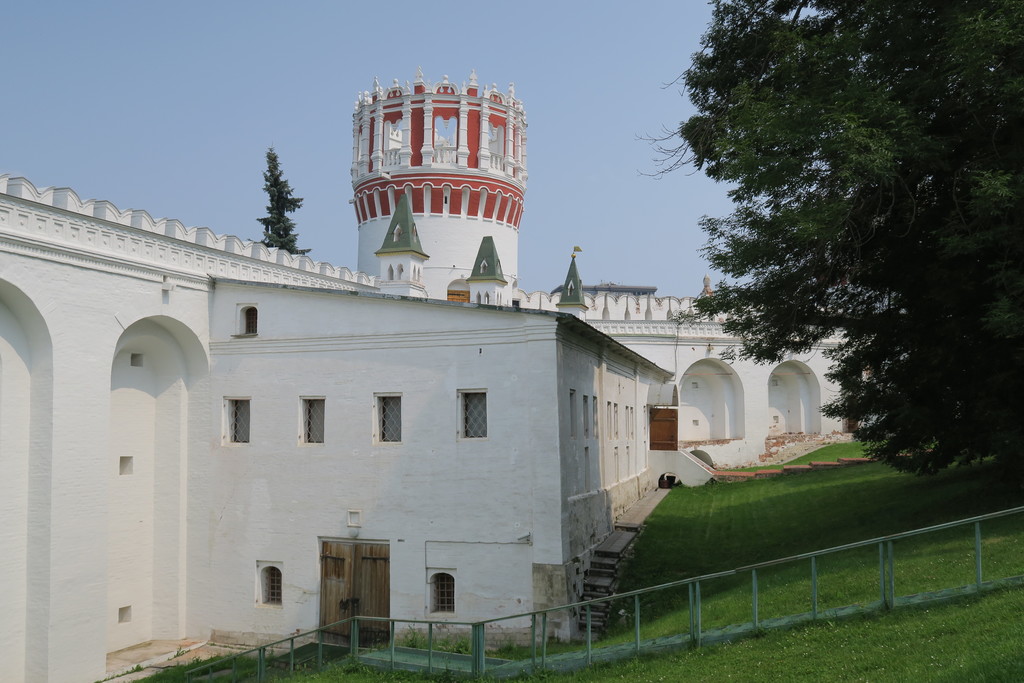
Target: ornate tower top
x=457 y=153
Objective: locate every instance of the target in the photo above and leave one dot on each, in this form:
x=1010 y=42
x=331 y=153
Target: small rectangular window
x=313 y=410
x=238 y=420
x=615 y=419
x=586 y=418
x=597 y=434
x=572 y=413
x=389 y=419
x=474 y=414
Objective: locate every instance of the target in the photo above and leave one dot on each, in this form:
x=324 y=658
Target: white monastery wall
x=479 y=509
x=734 y=406
x=88 y=544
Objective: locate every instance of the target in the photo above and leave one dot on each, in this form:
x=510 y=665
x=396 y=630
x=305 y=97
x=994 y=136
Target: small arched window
x=401 y=271
x=391 y=272
x=397 y=235
x=487 y=297
x=442 y=592
x=479 y=299
x=250 y=320
x=271 y=581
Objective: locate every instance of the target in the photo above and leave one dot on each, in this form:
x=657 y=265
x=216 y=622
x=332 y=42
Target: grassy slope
x=723 y=526
x=696 y=531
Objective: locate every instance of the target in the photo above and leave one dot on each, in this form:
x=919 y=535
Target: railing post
x=689 y=609
x=430 y=647
x=636 y=621
x=697 y=597
x=478 y=650
x=589 y=637
x=391 y=643
x=319 y=649
x=814 y=587
x=977 y=555
x=291 y=655
x=753 y=597
x=892 y=575
x=261 y=664
x=353 y=635
x=533 y=641
x=881 y=574
x=544 y=640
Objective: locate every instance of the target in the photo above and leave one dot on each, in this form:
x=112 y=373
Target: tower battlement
x=458 y=153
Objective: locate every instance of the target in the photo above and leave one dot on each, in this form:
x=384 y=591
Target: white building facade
x=201 y=437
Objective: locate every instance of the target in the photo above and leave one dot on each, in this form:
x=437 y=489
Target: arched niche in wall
x=26 y=438
x=794 y=400
x=710 y=402
x=157 y=377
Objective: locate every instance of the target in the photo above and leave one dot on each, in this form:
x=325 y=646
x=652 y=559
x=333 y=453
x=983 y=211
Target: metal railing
x=314 y=650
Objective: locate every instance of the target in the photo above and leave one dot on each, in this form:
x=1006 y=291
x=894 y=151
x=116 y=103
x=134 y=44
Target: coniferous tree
x=876 y=157
x=278 y=228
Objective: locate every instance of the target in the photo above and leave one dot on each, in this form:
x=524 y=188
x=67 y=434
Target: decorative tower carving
x=457 y=154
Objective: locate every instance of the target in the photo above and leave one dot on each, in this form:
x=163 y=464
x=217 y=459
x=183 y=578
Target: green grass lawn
x=697 y=531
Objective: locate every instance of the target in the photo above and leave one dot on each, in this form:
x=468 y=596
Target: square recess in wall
x=136 y=360
x=126 y=465
x=355 y=518
x=124 y=614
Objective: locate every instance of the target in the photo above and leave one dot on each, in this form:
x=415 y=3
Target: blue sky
x=170 y=106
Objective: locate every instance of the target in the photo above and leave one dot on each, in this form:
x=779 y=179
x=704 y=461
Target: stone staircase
x=602 y=578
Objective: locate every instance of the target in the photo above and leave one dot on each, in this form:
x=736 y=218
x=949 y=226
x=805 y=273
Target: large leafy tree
x=278 y=227
x=876 y=155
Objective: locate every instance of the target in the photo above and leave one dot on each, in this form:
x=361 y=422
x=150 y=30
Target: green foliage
x=278 y=227
x=876 y=156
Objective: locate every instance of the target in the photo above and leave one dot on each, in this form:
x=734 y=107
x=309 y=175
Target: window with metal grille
x=572 y=413
x=313 y=420
x=250 y=320
x=443 y=592
x=271 y=585
x=238 y=420
x=586 y=418
x=474 y=414
x=389 y=415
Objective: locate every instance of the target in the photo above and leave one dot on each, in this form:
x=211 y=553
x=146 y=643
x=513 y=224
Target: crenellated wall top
x=68 y=200
x=441 y=127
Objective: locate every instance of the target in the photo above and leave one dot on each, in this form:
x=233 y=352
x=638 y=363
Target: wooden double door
x=355 y=580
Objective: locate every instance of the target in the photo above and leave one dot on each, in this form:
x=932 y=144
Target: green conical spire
x=402 y=236
x=487 y=266
x=572 y=290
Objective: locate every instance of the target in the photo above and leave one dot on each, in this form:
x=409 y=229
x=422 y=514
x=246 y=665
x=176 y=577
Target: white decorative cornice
x=61 y=216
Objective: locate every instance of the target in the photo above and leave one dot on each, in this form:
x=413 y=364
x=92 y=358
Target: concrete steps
x=603 y=575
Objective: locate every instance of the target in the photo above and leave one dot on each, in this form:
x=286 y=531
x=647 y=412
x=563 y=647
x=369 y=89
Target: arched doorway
x=794 y=400
x=710 y=402
x=156 y=366
x=458 y=290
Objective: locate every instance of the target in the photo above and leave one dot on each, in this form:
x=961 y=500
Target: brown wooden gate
x=664 y=434
x=355 y=580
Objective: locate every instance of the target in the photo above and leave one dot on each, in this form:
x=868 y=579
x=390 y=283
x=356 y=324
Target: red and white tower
x=458 y=153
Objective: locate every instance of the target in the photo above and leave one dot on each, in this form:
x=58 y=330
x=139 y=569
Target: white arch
x=26 y=438
x=710 y=402
x=794 y=399
x=158 y=368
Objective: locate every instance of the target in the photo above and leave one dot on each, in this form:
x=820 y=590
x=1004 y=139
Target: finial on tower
x=576 y=250
x=707 y=291
x=512 y=90
x=472 y=77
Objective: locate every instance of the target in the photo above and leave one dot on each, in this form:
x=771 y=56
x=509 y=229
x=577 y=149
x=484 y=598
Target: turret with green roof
x=572 y=291
x=402 y=237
